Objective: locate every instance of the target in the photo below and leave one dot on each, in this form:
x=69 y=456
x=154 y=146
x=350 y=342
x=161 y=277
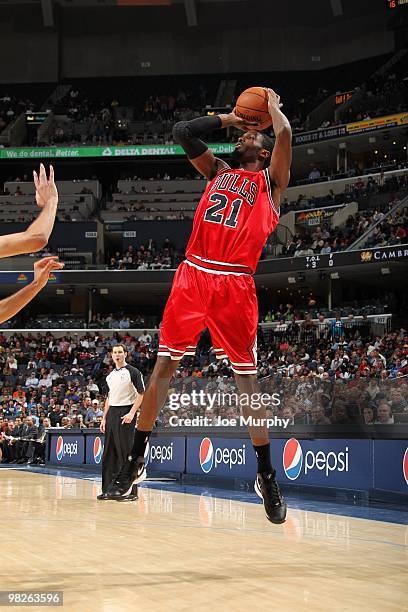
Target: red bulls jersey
x=234 y=218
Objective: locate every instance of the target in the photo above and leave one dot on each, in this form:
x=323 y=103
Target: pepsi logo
x=97 y=449
x=59 y=449
x=292 y=458
x=65 y=449
x=405 y=465
x=206 y=455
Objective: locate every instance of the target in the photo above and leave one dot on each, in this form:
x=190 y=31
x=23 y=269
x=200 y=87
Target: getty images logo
x=294 y=463
x=210 y=457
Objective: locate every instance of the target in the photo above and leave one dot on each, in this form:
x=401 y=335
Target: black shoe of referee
x=132 y=496
x=132 y=472
x=268 y=490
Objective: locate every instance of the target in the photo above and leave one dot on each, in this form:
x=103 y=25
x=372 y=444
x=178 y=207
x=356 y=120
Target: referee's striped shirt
x=124 y=384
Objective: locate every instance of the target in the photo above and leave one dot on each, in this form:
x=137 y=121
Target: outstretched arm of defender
x=281 y=158
x=10 y=306
x=36 y=236
x=188 y=133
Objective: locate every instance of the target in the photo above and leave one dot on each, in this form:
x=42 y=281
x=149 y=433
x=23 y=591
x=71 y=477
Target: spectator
x=32 y=380
x=314 y=174
x=145 y=337
x=318 y=416
x=93 y=412
x=384 y=413
x=368 y=415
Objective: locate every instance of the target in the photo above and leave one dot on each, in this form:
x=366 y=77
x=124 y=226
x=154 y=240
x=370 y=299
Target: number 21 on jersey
x=217 y=213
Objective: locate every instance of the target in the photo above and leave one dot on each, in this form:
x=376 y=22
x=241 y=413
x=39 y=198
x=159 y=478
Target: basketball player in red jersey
x=214 y=286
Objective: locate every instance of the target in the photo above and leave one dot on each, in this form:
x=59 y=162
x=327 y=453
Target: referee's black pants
x=118 y=442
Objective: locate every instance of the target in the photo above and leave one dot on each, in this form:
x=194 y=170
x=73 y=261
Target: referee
x=126 y=389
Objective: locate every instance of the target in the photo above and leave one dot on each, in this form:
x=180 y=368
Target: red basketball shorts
x=225 y=303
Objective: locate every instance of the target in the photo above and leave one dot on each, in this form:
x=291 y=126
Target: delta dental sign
x=226 y=148
x=129 y=151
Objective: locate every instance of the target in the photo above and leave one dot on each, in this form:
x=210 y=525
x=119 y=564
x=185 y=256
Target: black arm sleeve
x=185 y=133
x=137 y=379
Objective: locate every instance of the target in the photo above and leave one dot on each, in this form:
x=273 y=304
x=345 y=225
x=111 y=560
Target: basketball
x=252 y=105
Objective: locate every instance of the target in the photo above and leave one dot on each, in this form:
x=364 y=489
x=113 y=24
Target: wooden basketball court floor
x=173 y=550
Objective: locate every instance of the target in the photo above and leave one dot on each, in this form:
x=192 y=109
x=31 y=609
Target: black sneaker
x=102 y=496
x=132 y=472
x=268 y=490
x=132 y=496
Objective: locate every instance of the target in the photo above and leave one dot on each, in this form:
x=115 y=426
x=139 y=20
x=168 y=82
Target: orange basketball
x=252 y=105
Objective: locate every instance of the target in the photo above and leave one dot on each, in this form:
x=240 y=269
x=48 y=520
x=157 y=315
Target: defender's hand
x=45 y=188
x=43 y=268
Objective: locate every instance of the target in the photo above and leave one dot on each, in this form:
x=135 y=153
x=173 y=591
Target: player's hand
x=274 y=102
x=45 y=188
x=128 y=418
x=43 y=268
x=102 y=426
x=232 y=120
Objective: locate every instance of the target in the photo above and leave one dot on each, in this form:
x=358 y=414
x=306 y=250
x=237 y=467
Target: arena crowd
x=326 y=372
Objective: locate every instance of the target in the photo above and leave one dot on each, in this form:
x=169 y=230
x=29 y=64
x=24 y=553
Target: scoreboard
x=313 y=262
x=331 y=261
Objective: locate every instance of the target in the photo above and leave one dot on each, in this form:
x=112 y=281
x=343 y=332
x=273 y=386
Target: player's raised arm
x=36 y=236
x=281 y=158
x=188 y=134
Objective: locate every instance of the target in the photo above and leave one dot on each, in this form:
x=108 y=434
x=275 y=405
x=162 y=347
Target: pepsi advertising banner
x=327 y=463
x=94 y=445
x=67 y=449
x=353 y=464
x=224 y=457
x=163 y=454
x=346 y=464
x=166 y=454
x=391 y=465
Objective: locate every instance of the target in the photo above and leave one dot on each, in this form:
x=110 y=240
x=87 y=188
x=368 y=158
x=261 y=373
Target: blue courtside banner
x=166 y=454
x=67 y=449
x=220 y=457
x=342 y=463
x=345 y=464
x=391 y=465
x=328 y=463
x=94 y=444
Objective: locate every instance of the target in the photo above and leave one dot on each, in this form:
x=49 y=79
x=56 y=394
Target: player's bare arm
x=36 y=236
x=188 y=133
x=281 y=159
x=10 y=306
